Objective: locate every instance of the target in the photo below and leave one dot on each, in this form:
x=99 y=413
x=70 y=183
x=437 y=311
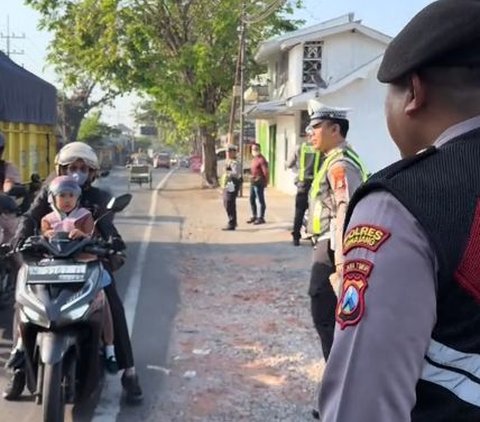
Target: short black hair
x=343 y=124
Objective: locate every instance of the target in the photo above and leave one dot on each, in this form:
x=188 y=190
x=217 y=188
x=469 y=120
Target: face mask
x=79 y=176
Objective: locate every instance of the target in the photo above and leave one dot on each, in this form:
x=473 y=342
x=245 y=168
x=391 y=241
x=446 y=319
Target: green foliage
x=182 y=53
x=92 y=130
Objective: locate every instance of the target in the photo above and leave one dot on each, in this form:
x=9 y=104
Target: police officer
x=230 y=182
x=339 y=176
x=307 y=161
x=407 y=342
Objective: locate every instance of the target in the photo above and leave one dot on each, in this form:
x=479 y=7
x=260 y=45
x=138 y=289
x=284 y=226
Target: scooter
x=60 y=303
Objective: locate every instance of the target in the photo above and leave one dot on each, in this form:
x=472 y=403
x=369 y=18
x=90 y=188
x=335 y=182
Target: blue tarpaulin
x=24 y=97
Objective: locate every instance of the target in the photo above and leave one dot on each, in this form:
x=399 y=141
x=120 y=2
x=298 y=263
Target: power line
x=11 y=36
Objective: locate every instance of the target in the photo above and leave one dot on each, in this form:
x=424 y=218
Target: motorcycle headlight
x=77 y=313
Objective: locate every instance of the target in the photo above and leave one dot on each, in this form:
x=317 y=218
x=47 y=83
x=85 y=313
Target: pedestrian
x=9 y=176
x=307 y=162
x=78 y=160
x=230 y=182
x=259 y=178
x=340 y=174
x=407 y=340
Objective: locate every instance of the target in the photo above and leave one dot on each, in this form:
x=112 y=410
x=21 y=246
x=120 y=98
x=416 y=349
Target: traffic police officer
x=339 y=176
x=307 y=160
x=407 y=340
x=230 y=182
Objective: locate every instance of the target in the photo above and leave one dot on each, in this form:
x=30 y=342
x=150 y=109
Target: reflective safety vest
x=316 y=202
x=226 y=176
x=310 y=156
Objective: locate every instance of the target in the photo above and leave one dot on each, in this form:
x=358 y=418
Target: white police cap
x=320 y=112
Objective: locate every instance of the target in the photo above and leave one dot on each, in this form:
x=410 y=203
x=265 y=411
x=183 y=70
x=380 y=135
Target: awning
x=268 y=109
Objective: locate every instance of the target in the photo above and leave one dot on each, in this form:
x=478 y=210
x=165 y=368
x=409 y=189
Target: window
x=312 y=64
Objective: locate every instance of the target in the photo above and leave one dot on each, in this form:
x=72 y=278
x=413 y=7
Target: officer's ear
x=416 y=98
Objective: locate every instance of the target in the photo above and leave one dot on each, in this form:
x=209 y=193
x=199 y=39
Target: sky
x=385 y=16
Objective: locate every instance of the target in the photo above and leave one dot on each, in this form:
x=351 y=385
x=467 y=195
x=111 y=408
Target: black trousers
x=301 y=206
x=123 y=346
x=230 y=204
x=322 y=296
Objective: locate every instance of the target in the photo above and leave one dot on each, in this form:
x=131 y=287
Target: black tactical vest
x=441 y=188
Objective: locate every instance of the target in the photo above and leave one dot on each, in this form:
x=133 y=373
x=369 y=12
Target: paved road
x=152 y=229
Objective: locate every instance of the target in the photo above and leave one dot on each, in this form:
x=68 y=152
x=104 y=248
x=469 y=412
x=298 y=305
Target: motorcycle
x=60 y=303
x=15 y=203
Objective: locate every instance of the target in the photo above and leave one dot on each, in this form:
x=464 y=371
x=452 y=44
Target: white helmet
x=77 y=151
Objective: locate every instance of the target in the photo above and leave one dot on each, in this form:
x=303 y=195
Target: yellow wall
x=30 y=147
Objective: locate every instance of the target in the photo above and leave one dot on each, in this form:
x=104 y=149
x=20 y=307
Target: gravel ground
x=244 y=348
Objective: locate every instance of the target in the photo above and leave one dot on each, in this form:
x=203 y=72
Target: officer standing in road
x=407 y=341
x=307 y=161
x=230 y=182
x=339 y=176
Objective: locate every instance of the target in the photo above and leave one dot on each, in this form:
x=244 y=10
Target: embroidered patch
x=351 y=306
x=339 y=178
x=365 y=236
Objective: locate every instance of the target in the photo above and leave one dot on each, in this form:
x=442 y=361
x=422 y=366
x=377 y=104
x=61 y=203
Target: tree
x=93 y=130
x=181 y=53
x=75 y=106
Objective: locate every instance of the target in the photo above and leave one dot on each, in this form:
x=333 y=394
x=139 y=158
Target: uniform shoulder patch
x=351 y=306
x=365 y=236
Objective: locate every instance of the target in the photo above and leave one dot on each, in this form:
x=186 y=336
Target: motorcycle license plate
x=51 y=274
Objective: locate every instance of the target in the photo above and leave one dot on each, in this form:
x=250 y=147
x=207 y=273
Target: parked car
x=162 y=159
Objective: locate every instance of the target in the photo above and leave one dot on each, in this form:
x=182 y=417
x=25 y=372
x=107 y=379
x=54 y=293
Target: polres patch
x=365 y=236
x=351 y=306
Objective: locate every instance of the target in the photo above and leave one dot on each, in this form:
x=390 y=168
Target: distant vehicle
x=162 y=159
x=173 y=161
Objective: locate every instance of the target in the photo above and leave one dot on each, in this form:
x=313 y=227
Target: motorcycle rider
x=9 y=176
x=80 y=161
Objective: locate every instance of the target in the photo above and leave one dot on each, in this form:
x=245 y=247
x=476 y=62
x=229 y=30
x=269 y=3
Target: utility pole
x=11 y=36
x=243 y=43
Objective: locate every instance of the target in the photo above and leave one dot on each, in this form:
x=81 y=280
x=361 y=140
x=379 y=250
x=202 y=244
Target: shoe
x=252 y=220
x=15 y=385
x=131 y=387
x=111 y=365
x=16 y=359
x=315 y=414
x=258 y=221
x=228 y=228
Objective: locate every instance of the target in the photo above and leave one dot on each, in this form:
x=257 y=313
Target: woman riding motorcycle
x=80 y=161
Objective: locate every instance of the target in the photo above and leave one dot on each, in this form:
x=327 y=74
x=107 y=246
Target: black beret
x=445 y=33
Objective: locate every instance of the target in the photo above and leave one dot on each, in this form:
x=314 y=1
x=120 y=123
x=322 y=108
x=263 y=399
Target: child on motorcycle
x=68 y=216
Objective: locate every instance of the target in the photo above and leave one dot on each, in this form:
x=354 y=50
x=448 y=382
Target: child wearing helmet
x=67 y=216
x=63 y=196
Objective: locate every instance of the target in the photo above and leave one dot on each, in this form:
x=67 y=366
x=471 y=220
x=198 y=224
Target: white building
x=336 y=63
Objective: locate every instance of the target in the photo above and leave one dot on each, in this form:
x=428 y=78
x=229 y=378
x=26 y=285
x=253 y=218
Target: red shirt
x=259 y=169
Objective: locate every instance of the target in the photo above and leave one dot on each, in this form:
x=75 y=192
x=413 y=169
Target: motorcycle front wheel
x=53 y=396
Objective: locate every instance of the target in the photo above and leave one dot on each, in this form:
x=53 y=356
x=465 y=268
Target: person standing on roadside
x=9 y=176
x=258 y=182
x=230 y=183
x=340 y=174
x=407 y=340
x=307 y=161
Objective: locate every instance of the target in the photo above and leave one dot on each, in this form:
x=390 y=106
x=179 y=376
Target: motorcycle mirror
x=119 y=203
